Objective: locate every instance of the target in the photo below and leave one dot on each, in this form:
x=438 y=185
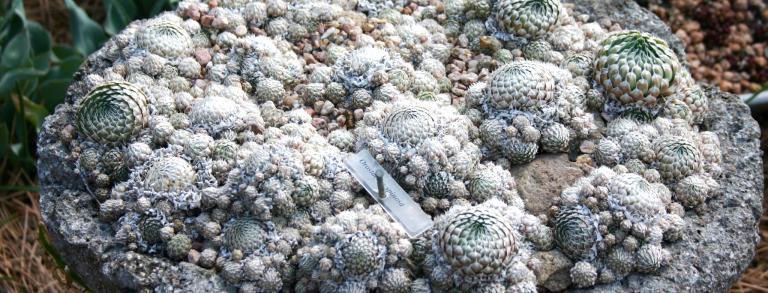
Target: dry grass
x=25 y=266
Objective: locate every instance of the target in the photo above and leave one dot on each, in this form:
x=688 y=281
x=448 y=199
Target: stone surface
x=540 y=182
x=717 y=245
x=549 y=267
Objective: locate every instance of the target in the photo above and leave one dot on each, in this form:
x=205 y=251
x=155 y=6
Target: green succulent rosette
x=636 y=68
x=112 y=113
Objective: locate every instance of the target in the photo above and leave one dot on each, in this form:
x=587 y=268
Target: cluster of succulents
x=485 y=246
x=358 y=248
x=613 y=222
x=430 y=150
x=216 y=135
x=528 y=107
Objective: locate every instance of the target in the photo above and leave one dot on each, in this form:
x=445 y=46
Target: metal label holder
x=385 y=190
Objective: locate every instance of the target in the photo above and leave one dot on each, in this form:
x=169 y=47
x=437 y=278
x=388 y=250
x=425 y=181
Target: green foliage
x=754 y=96
x=35 y=72
x=86 y=33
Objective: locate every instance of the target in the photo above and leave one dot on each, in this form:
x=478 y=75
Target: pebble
x=327 y=108
x=202 y=56
x=587 y=147
x=206 y=20
x=723 y=53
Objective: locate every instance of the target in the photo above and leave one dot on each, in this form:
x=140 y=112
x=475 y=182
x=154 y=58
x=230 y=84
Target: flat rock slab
x=718 y=244
x=540 y=182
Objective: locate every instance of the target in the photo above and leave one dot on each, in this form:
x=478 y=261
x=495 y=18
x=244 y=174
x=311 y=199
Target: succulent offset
x=521 y=85
x=575 y=231
x=215 y=135
x=164 y=37
x=528 y=18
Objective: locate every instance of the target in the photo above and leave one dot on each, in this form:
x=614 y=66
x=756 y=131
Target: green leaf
x=41 y=62
x=22 y=136
x=39 y=37
x=66 y=67
x=63 y=52
x=87 y=34
x=756 y=94
x=17 y=51
x=5 y=138
x=17 y=6
x=9 y=79
x=160 y=6
x=119 y=14
x=51 y=92
x=16 y=10
x=13 y=22
x=149 y=8
x=34 y=113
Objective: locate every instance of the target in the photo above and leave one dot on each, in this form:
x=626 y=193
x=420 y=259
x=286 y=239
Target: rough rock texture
x=541 y=181
x=551 y=269
x=717 y=244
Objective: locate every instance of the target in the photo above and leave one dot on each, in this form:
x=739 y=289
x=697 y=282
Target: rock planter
x=189 y=169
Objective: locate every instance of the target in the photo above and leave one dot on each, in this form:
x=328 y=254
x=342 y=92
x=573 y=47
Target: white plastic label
x=398 y=204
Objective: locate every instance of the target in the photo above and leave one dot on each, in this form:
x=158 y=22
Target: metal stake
x=380 y=183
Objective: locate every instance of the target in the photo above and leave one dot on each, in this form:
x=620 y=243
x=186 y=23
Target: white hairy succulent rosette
x=425 y=146
x=216 y=114
x=484 y=244
x=252 y=252
x=244 y=234
x=522 y=85
x=360 y=244
x=357 y=68
x=142 y=229
x=661 y=150
x=530 y=106
x=270 y=58
x=492 y=181
x=622 y=214
x=112 y=113
x=164 y=36
x=527 y=18
x=575 y=231
x=170 y=175
x=295 y=169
